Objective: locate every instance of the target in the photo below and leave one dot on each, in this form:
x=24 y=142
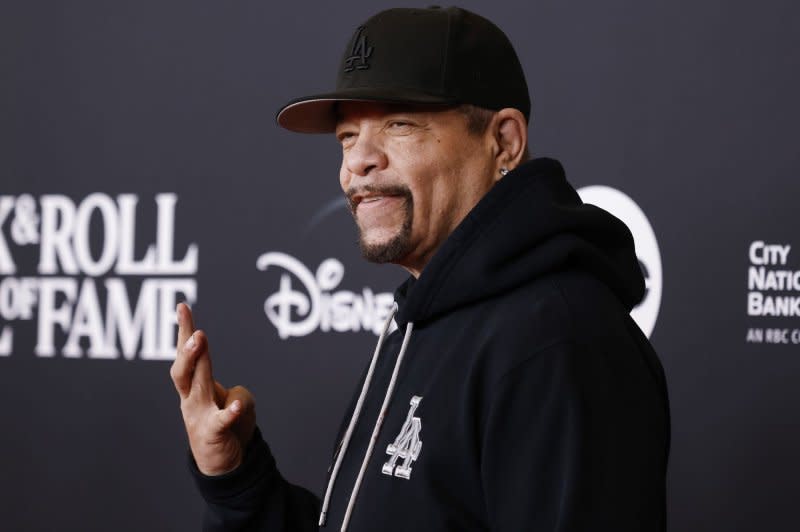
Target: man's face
x=410 y=174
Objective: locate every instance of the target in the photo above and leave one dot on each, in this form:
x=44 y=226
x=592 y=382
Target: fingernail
x=189 y=343
x=236 y=406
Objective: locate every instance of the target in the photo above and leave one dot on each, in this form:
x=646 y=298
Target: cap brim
x=317 y=114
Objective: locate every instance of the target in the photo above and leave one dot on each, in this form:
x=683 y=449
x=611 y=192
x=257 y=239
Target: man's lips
x=375 y=201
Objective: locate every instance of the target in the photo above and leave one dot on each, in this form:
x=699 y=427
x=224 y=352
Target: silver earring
x=503 y=171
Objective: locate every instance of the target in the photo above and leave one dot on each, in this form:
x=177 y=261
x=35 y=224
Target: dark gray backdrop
x=690 y=108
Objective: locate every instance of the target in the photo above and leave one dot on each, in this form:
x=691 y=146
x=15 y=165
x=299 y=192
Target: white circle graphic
x=624 y=208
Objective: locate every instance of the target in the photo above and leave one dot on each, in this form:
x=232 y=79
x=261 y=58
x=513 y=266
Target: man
x=516 y=393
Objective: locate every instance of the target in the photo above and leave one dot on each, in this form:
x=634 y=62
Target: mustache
x=382 y=190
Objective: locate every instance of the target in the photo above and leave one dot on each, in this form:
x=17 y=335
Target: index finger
x=185 y=323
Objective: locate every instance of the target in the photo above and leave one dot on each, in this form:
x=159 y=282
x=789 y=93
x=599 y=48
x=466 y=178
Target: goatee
x=399 y=245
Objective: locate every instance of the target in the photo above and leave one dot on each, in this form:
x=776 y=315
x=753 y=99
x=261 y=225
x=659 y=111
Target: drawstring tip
x=322 y=518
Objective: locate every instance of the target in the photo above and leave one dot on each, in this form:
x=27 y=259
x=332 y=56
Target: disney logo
x=314 y=305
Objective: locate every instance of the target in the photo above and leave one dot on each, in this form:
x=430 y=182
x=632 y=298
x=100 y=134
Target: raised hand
x=219 y=421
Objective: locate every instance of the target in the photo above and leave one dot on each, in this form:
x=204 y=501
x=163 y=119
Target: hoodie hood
x=553 y=231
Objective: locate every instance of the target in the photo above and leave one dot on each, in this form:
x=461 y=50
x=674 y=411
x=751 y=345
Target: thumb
x=228 y=415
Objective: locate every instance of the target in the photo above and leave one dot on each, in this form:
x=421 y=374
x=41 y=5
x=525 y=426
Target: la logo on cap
x=360 y=52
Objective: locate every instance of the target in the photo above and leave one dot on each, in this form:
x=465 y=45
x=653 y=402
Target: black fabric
x=411 y=55
x=530 y=224
x=255 y=496
x=543 y=406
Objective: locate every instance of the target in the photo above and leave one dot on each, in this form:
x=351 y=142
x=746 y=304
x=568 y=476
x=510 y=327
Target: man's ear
x=510 y=132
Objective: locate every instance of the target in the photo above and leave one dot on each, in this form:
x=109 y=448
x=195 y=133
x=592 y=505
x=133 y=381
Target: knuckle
x=187 y=349
x=188 y=356
x=180 y=381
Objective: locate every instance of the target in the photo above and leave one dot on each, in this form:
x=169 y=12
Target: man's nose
x=365 y=155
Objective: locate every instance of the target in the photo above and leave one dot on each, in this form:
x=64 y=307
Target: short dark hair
x=478 y=119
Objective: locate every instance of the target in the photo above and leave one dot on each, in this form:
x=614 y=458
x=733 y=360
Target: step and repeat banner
x=140 y=166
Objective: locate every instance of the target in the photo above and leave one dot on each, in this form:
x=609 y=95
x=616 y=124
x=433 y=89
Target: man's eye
x=345 y=137
x=399 y=126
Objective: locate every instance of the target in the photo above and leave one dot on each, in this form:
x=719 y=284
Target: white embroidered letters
x=407 y=445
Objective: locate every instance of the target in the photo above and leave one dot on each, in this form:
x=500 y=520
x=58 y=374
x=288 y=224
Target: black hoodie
x=540 y=405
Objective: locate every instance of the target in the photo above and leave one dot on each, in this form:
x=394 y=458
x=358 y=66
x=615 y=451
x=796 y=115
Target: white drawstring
x=354 y=418
x=377 y=429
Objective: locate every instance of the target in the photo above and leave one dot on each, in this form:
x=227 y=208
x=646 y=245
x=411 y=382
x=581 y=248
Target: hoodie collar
x=531 y=223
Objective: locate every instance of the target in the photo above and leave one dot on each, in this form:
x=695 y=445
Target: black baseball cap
x=444 y=56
